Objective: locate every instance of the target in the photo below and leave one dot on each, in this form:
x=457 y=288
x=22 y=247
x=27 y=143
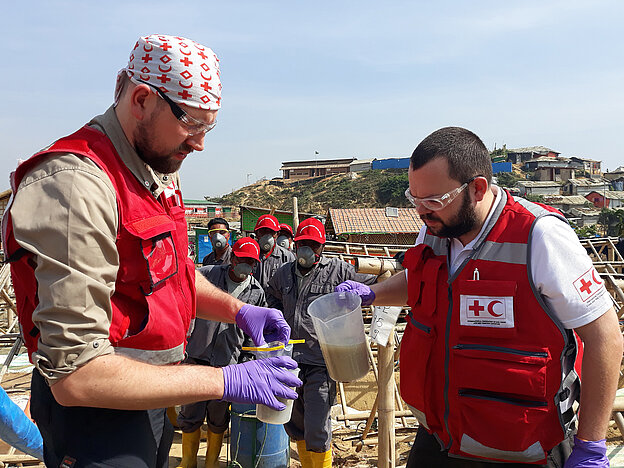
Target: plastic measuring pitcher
x=337 y=319
x=263 y=412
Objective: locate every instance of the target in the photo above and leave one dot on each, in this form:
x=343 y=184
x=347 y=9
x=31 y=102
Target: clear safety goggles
x=190 y=124
x=437 y=203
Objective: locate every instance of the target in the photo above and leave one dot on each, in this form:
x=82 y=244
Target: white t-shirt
x=561 y=269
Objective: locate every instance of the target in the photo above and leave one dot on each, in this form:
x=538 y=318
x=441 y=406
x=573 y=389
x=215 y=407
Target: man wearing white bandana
x=105 y=292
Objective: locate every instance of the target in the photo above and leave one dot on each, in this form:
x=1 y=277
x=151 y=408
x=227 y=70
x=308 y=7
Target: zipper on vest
x=492 y=396
x=500 y=349
x=447 y=357
x=417 y=324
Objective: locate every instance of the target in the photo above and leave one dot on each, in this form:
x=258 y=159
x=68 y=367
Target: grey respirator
x=306 y=257
x=219 y=241
x=242 y=270
x=283 y=241
x=266 y=242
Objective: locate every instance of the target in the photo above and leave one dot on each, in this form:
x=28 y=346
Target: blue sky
x=347 y=79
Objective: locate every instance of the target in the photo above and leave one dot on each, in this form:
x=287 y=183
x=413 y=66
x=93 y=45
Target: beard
x=463 y=222
x=163 y=162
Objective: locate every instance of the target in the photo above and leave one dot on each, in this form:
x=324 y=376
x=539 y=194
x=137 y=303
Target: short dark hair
x=214 y=221
x=464 y=151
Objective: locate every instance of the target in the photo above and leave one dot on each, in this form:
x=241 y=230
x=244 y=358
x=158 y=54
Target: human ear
x=480 y=188
x=140 y=103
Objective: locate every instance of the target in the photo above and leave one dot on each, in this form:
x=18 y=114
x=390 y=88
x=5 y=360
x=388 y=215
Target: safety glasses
x=437 y=203
x=190 y=124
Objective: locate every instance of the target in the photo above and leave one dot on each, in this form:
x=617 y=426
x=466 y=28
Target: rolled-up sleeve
x=65 y=213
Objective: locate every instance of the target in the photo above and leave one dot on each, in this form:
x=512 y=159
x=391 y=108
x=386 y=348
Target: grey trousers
x=310 y=420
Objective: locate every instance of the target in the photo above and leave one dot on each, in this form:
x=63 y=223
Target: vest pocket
x=517 y=373
x=416 y=347
x=500 y=427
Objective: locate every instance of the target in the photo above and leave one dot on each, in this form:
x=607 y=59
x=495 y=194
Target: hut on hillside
x=390 y=226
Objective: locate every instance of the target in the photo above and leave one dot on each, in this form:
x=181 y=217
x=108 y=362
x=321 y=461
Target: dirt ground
x=360 y=396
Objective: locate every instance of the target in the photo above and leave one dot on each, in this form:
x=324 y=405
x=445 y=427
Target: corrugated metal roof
x=374 y=220
x=533 y=149
x=587 y=182
x=538 y=183
x=565 y=199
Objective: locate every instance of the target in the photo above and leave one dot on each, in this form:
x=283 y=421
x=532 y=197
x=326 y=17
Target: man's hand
x=362 y=290
x=261 y=323
x=261 y=381
x=588 y=454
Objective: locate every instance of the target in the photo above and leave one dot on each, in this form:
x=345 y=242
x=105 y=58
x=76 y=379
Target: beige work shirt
x=65 y=213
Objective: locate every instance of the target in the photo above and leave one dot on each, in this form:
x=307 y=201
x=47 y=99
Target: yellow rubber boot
x=304 y=455
x=321 y=460
x=214 y=448
x=190 y=446
x=173 y=416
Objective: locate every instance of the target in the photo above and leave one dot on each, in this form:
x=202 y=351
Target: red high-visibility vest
x=154 y=298
x=485 y=365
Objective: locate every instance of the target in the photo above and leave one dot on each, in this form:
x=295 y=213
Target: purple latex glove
x=362 y=290
x=260 y=323
x=261 y=381
x=588 y=454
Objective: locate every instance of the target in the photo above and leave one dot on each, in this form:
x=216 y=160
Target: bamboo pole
x=376 y=266
x=385 y=365
x=295 y=214
x=365 y=416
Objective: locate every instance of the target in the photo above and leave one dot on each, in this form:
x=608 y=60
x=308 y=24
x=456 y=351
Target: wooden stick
x=375 y=440
x=369 y=421
x=365 y=416
x=619 y=420
x=385 y=357
x=343 y=402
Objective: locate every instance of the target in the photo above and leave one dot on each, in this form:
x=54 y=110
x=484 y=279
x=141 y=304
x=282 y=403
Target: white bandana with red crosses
x=187 y=72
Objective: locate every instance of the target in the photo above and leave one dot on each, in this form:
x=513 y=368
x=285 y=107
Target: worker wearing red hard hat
x=285 y=236
x=272 y=255
x=293 y=287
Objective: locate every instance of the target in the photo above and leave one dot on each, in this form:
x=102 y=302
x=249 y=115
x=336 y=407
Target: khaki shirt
x=65 y=213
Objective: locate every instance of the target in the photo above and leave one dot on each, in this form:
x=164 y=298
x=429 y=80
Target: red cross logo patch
x=588 y=284
x=486 y=311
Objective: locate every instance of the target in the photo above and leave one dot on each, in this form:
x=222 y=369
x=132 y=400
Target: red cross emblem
x=186 y=61
x=146 y=58
x=588 y=284
x=185 y=94
x=475 y=308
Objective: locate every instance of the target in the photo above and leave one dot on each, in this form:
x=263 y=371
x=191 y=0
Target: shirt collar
x=152 y=180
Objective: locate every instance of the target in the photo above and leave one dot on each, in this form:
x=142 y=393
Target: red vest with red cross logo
x=482 y=357
x=154 y=298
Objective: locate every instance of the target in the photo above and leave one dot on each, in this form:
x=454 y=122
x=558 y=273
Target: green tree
x=612 y=222
x=507 y=179
x=391 y=191
x=535 y=198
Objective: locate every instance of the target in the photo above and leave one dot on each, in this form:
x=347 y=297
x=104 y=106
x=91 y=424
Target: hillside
x=368 y=189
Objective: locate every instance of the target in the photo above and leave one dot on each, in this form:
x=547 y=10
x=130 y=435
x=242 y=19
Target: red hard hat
x=311 y=229
x=267 y=221
x=246 y=247
x=287 y=228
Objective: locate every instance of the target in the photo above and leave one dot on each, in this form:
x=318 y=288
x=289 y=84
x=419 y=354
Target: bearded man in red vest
x=503 y=300
x=106 y=294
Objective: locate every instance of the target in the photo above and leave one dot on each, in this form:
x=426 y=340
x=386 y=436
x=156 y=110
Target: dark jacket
x=283 y=294
x=211 y=258
x=216 y=342
x=269 y=265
